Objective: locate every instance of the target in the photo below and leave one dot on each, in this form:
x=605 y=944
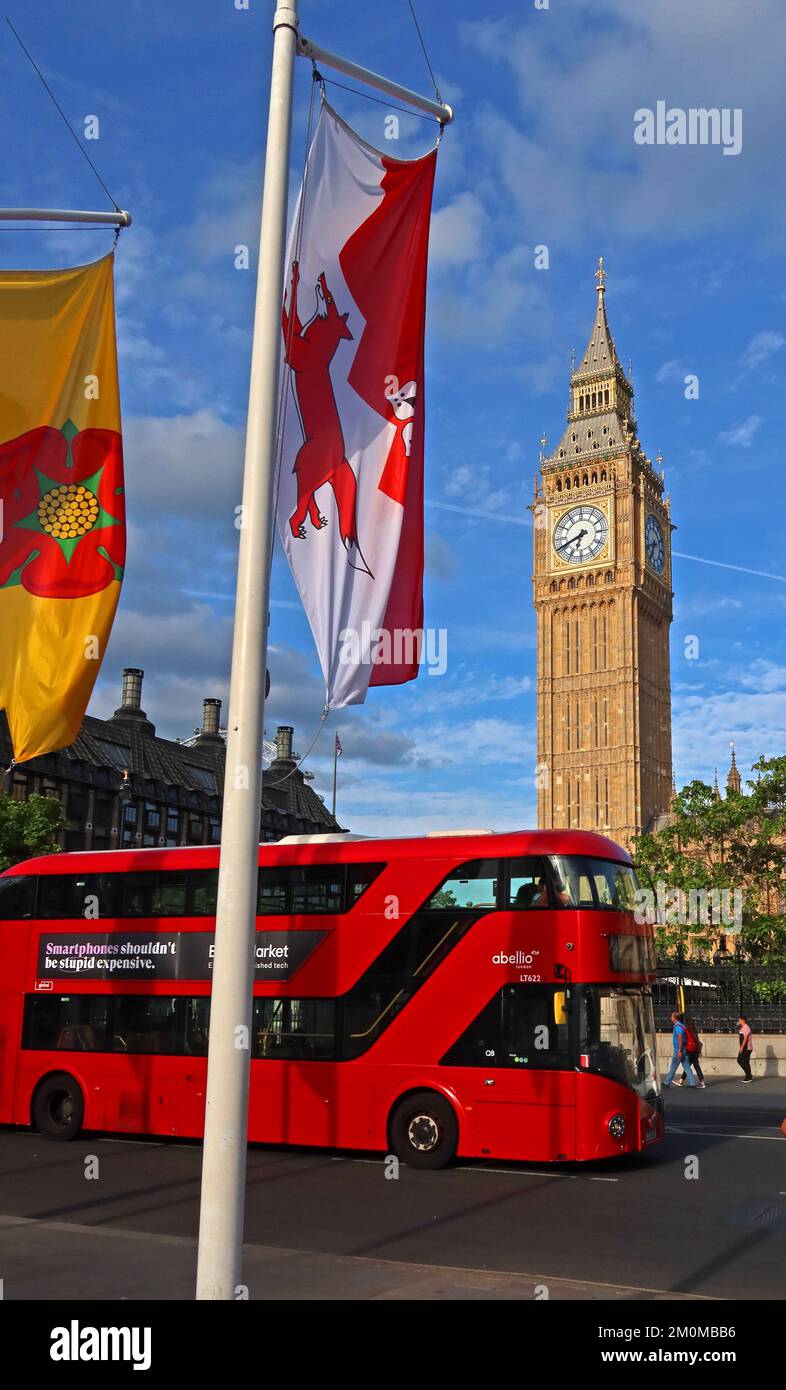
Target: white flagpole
x=226 y=1120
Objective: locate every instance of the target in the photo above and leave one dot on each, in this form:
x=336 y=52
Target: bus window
x=317 y=889
x=359 y=878
x=532 y=1036
x=147 y=1023
x=471 y=885
x=169 y=895
x=271 y=892
x=75 y=1023
x=367 y=1012
x=17 y=896
x=197 y=1025
x=615 y=885
x=136 y=893
x=527 y=884
x=523 y=1026
x=295 y=1030
x=203 y=892
x=598 y=883
x=61 y=896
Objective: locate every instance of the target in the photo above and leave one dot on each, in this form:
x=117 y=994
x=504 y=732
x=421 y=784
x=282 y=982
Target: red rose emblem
x=62 y=532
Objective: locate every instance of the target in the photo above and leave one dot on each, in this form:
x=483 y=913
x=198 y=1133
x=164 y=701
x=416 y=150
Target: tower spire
x=600 y=277
x=733 y=780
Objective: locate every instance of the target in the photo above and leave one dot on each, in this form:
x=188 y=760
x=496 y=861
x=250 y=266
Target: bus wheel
x=424 y=1130
x=58 y=1107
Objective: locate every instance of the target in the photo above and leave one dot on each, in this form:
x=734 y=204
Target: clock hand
x=573 y=540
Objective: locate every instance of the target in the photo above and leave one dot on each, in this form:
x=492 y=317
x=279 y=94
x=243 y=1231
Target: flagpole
x=226 y=1119
x=335 y=773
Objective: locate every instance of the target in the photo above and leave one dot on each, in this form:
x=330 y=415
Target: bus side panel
x=312 y=1103
x=513 y=1114
x=10 y=1028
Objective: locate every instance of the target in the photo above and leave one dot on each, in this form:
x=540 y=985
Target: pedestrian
x=693 y=1050
x=680 y=1054
x=745 y=1048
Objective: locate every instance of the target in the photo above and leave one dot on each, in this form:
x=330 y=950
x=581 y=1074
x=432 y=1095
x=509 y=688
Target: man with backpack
x=680 y=1054
x=692 y=1050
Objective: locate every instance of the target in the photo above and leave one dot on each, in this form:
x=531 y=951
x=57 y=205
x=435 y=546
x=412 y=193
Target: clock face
x=654 y=545
x=580 y=534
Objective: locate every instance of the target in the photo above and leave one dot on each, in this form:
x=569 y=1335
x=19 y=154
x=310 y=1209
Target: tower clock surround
x=603 y=602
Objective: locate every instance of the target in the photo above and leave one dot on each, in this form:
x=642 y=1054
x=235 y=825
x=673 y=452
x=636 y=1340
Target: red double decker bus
x=474 y=994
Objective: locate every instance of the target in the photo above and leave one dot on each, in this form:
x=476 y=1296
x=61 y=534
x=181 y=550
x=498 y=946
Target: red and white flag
x=350 y=485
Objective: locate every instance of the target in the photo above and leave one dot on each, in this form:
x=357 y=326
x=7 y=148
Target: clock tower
x=602 y=593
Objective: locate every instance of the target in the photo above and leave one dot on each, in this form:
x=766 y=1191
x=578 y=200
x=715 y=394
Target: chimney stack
x=284 y=734
x=130 y=710
x=211 y=723
x=132 y=688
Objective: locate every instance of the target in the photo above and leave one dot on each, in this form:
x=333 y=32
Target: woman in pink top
x=746 y=1047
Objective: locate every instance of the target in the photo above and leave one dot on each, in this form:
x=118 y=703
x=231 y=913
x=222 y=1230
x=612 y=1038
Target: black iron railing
x=716 y=995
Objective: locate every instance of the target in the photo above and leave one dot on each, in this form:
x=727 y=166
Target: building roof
x=128 y=740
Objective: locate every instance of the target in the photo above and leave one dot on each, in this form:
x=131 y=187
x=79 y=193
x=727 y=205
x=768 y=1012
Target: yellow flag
x=62 y=514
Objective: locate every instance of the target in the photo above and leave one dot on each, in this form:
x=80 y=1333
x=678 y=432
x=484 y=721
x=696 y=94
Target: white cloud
x=458 y=232
x=183 y=465
x=761 y=346
x=672 y=372
x=570 y=164
x=229 y=214
x=741 y=434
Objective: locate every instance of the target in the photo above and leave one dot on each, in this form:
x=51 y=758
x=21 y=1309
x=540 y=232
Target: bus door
x=522 y=1085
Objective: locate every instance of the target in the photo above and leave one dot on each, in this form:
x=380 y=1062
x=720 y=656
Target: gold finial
x=600 y=276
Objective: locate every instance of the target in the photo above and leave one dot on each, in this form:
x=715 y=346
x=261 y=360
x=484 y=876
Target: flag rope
x=389 y=105
x=65 y=119
x=425 y=53
x=302 y=759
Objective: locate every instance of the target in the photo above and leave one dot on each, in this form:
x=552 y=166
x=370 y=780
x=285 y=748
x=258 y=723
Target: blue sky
x=541 y=152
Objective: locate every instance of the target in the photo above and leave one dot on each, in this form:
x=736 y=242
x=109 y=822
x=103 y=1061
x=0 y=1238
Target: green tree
x=28 y=827
x=716 y=843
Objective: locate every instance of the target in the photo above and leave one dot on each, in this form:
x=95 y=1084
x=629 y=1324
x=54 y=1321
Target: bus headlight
x=617 y=1126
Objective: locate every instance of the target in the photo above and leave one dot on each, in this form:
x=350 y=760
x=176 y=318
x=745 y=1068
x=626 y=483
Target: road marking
x=725 y=1134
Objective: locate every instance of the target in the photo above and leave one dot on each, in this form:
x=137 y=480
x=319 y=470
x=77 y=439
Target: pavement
x=701 y=1217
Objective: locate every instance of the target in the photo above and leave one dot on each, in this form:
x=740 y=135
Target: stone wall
x=719 y=1054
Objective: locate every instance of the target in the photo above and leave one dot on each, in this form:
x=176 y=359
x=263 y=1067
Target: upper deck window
x=593 y=883
x=17 y=898
x=333 y=888
x=472 y=885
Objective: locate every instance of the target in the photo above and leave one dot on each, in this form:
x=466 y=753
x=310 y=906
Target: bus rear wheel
x=424 y=1130
x=58 y=1107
